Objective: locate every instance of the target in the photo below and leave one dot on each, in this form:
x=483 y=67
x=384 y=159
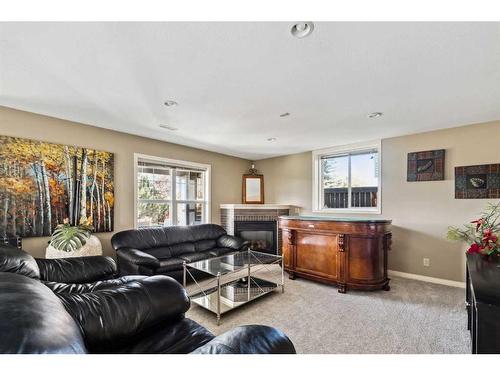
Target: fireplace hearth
x=257 y=223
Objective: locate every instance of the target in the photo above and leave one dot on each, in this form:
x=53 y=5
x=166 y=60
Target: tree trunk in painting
x=103 y=182
x=14 y=215
x=98 y=200
x=40 y=200
x=109 y=216
x=69 y=180
x=92 y=188
x=83 y=187
x=25 y=221
x=5 y=213
x=33 y=215
x=47 y=209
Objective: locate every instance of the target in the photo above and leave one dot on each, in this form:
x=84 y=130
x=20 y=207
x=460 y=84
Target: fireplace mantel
x=257 y=206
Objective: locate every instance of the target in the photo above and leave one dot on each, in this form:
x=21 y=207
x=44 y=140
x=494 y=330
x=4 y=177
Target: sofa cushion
x=78 y=269
x=206 y=232
x=194 y=257
x=182 y=248
x=180 y=337
x=204 y=245
x=111 y=317
x=218 y=251
x=159 y=252
x=250 y=339
x=145 y=238
x=178 y=234
x=170 y=264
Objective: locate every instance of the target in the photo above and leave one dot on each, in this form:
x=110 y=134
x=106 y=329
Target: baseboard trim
x=435 y=280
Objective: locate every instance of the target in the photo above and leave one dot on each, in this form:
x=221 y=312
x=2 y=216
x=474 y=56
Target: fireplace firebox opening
x=262 y=235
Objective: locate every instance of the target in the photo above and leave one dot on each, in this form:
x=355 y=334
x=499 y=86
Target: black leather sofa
x=154 y=251
x=132 y=314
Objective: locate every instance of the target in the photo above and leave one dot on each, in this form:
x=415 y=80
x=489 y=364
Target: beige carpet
x=414 y=317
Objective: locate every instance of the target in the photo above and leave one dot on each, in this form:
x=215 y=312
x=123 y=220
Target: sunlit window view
x=350 y=180
x=168 y=195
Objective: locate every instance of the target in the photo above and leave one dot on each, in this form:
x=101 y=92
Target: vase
x=92 y=247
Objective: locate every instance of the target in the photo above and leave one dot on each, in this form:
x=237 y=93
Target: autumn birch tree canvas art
x=41 y=184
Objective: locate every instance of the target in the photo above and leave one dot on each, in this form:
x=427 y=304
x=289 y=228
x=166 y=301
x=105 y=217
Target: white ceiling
x=233 y=80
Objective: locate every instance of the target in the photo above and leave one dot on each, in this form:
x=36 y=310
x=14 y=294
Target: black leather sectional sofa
x=79 y=305
x=155 y=251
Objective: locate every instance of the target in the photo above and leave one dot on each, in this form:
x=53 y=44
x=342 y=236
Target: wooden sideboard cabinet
x=350 y=253
x=483 y=303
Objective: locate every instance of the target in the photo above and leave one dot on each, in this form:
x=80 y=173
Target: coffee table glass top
x=233 y=262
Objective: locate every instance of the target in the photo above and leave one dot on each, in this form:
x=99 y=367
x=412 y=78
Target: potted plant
x=481 y=234
x=69 y=241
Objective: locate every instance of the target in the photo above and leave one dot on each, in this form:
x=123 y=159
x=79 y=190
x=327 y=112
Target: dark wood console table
x=483 y=303
x=350 y=253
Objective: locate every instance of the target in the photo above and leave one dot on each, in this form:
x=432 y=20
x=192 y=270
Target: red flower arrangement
x=482 y=234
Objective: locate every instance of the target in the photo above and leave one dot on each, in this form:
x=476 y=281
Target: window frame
x=317 y=176
x=207 y=168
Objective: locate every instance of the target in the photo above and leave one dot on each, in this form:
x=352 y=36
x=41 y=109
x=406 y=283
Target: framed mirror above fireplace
x=253 y=189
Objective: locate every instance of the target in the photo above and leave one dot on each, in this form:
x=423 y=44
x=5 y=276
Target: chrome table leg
x=184 y=274
x=248 y=281
x=218 y=298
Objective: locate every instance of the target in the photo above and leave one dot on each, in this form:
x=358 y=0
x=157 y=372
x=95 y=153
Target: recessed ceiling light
x=375 y=114
x=272 y=139
x=285 y=114
x=170 y=103
x=302 y=29
x=168 y=127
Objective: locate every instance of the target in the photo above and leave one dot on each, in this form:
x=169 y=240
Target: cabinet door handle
x=310 y=225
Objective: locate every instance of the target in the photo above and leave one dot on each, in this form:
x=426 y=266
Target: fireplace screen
x=261 y=235
x=259 y=239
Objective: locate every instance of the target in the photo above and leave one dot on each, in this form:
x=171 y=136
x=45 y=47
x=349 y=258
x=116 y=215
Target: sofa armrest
x=77 y=270
x=113 y=317
x=137 y=258
x=231 y=242
x=251 y=339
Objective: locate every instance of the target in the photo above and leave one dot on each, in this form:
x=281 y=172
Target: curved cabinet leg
x=342 y=288
x=291 y=275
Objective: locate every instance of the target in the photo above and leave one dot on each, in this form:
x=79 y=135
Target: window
x=347 y=179
x=171 y=192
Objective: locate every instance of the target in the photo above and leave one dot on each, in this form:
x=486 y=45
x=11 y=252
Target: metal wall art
x=426 y=166
x=477 y=181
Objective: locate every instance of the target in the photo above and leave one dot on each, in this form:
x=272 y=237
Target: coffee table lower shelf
x=209 y=299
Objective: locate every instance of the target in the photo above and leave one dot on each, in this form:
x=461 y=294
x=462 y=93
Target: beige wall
x=421 y=211
x=226 y=170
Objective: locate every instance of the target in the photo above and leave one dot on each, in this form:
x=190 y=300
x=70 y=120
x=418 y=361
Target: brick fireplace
x=257 y=223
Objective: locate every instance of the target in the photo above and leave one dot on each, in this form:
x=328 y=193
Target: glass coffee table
x=234 y=280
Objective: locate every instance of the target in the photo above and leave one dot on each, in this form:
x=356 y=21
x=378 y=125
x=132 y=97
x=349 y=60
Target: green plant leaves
x=69 y=238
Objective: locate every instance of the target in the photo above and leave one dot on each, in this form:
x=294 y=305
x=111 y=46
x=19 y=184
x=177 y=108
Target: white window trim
x=181 y=164
x=317 y=207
